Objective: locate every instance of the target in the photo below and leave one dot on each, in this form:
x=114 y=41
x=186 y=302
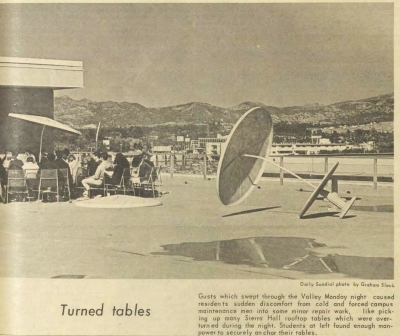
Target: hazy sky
x=222 y=54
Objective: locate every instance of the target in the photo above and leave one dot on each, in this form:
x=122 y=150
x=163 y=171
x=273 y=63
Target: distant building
x=308 y=149
x=324 y=141
x=315 y=139
x=162 y=149
x=213 y=146
x=106 y=142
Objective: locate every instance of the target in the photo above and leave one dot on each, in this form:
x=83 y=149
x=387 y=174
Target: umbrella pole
x=41 y=143
x=97 y=134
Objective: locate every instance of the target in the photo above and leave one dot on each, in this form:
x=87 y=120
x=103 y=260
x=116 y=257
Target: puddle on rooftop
x=289 y=253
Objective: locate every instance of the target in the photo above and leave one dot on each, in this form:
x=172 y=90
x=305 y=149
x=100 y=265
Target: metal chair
x=16 y=184
x=150 y=184
x=102 y=188
x=79 y=173
x=32 y=182
x=159 y=177
x=31 y=174
x=66 y=175
x=123 y=185
x=48 y=181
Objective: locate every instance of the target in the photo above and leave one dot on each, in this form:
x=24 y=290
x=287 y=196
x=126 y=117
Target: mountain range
x=83 y=113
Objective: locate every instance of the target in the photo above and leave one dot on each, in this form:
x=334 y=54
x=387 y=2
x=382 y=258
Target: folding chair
x=105 y=184
x=102 y=188
x=31 y=174
x=149 y=185
x=32 y=182
x=123 y=185
x=79 y=174
x=126 y=181
x=48 y=181
x=66 y=175
x=16 y=184
x=159 y=177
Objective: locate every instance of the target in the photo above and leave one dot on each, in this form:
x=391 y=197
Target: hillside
x=79 y=113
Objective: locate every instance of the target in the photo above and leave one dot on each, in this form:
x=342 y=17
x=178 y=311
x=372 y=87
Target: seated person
x=7 y=159
x=93 y=163
x=120 y=164
x=144 y=171
x=73 y=166
x=61 y=164
x=65 y=154
x=43 y=157
x=29 y=154
x=47 y=163
x=15 y=164
x=31 y=168
x=136 y=160
x=23 y=157
x=97 y=179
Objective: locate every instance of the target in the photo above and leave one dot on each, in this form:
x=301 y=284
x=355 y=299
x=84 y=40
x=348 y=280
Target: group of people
x=99 y=170
x=62 y=159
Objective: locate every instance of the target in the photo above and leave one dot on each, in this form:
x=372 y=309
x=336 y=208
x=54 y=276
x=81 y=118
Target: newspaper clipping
x=179 y=169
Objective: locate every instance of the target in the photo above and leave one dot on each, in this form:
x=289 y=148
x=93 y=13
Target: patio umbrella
x=45 y=122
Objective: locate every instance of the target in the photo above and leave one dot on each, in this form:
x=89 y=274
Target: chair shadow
x=250 y=211
x=351 y=216
x=321 y=214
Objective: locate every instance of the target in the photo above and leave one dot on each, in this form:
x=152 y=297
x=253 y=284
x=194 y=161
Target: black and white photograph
x=176 y=169
x=197 y=141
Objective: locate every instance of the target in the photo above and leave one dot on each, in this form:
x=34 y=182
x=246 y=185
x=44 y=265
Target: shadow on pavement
x=250 y=211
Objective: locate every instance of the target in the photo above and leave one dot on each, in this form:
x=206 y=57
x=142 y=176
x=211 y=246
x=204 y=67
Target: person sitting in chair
x=7 y=159
x=47 y=163
x=15 y=164
x=95 y=159
x=144 y=170
x=121 y=165
x=73 y=166
x=61 y=164
x=31 y=168
x=97 y=179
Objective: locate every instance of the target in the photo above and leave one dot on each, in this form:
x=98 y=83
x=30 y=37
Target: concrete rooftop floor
x=46 y=240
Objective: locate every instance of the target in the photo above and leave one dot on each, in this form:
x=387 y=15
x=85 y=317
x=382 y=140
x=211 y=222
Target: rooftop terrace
x=192 y=235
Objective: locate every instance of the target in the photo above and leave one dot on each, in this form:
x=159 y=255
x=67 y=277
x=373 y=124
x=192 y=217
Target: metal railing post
x=375 y=178
x=281 y=175
x=172 y=163
x=326 y=164
x=205 y=168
